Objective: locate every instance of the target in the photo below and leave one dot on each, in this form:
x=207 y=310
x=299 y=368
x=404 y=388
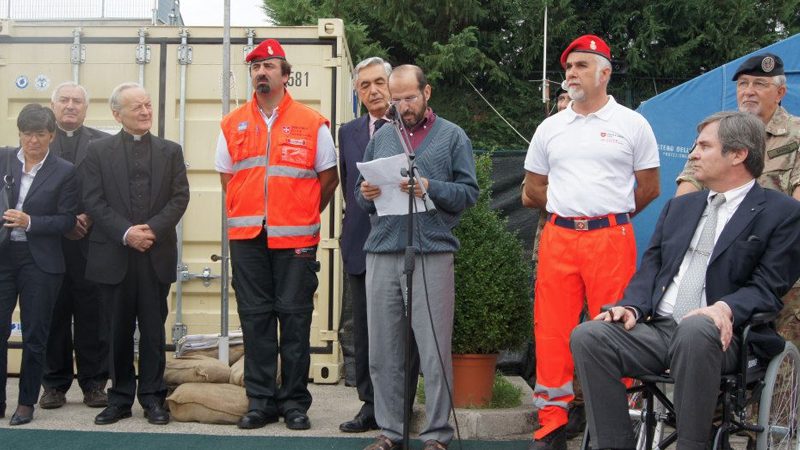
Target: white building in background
x=139 y=12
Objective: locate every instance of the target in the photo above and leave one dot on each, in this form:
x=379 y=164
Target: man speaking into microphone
x=446 y=172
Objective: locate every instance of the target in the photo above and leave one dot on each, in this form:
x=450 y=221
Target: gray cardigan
x=445 y=158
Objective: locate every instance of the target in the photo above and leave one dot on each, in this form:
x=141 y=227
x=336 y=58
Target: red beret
x=588 y=43
x=266 y=50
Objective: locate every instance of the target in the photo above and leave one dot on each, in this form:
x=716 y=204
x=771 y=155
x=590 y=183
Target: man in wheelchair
x=716 y=258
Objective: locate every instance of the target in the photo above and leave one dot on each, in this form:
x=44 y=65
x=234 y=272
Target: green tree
x=492 y=307
x=497 y=46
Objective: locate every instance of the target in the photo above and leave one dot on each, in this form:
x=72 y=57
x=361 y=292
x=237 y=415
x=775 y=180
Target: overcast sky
x=210 y=12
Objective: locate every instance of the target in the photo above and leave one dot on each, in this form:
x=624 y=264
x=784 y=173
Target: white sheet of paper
x=386 y=174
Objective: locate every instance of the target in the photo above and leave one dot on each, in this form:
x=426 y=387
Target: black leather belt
x=589 y=224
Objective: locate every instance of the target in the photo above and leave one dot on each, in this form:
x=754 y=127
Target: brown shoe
x=52 y=398
x=434 y=445
x=382 y=443
x=95 y=398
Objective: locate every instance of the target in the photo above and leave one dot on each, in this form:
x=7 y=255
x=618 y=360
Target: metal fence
x=51 y=10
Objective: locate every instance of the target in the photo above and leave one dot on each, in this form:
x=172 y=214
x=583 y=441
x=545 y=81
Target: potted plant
x=492 y=306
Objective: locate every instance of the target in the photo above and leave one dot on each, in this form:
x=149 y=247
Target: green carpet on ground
x=85 y=440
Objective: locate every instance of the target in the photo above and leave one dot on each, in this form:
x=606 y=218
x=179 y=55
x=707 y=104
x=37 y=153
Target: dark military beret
x=763 y=65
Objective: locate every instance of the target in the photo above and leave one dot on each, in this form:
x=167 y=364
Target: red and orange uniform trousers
x=574 y=264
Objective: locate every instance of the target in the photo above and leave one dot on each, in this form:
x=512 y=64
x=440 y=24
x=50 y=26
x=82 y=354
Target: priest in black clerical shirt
x=79 y=299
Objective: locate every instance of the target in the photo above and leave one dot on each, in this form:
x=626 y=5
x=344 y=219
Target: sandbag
x=208 y=403
x=234 y=353
x=237 y=372
x=196 y=369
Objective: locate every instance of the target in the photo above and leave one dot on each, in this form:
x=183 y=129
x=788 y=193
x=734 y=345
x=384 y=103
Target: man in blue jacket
x=717 y=257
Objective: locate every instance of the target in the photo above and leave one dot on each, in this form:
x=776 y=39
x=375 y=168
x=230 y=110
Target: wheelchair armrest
x=761 y=318
x=756 y=319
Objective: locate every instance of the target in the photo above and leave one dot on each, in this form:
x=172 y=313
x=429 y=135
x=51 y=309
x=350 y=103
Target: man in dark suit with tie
x=136 y=191
x=372 y=86
x=717 y=257
x=78 y=300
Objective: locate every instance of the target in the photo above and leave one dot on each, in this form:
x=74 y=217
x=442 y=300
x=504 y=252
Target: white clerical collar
x=69 y=133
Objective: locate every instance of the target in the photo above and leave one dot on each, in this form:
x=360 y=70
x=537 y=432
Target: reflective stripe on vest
x=245 y=221
x=291 y=172
x=249 y=163
x=281 y=171
x=289 y=231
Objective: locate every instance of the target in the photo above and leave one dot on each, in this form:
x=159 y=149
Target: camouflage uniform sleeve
x=687 y=174
x=794 y=178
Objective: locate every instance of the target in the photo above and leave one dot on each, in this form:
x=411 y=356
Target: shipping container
x=182 y=70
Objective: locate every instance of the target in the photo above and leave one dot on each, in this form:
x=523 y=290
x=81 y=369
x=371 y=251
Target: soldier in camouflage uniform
x=760 y=86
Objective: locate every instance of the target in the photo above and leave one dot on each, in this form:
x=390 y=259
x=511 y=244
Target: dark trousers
x=141 y=298
x=358 y=299
x=37 y=291
x=78 y=324
x=604 y=353
x=275 y=288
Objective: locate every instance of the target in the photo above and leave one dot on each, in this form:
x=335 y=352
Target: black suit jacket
x=51 y=201
x=106 y=196
x=81 y=247
x=755 y=260
x=353 y=139
x=85 y=136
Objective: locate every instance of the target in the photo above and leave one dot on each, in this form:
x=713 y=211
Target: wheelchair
x=760 y=400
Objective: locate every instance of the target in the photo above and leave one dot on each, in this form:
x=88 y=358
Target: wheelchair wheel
x=636 y=409
x=779 y=408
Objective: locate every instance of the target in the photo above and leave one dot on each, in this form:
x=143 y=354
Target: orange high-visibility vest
x=274 y=183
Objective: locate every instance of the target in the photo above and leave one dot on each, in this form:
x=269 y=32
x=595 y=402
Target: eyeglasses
x=412 y=99
x=758 y=84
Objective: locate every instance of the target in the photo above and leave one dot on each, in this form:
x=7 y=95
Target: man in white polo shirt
x=591 y=167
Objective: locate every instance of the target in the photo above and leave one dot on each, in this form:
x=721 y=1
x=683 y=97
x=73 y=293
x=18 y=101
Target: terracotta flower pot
x=473 y=377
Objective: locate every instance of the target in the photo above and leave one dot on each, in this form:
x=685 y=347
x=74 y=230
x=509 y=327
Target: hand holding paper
x=384 y=178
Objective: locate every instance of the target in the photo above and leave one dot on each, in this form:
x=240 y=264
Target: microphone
x=564 y=85
x=391 y=113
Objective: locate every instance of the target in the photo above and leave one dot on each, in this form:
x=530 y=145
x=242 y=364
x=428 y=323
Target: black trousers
x=80 y=324
x=37 y=291
x=140 y=298
x=358 y=298
x=275 y=288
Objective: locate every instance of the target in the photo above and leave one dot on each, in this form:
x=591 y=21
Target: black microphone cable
x=428 y=304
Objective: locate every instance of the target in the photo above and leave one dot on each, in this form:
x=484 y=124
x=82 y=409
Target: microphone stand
x=408 y=271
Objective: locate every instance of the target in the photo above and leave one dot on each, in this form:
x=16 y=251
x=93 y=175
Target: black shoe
x=359 y=424
x=52 y=398
x=576 y=421
x=23 y=415
x=255 y=419
x=112 y=414
x=95 y=398
x=556 y=440
x=2 y=410
x=156 y=414
x=296 y=420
